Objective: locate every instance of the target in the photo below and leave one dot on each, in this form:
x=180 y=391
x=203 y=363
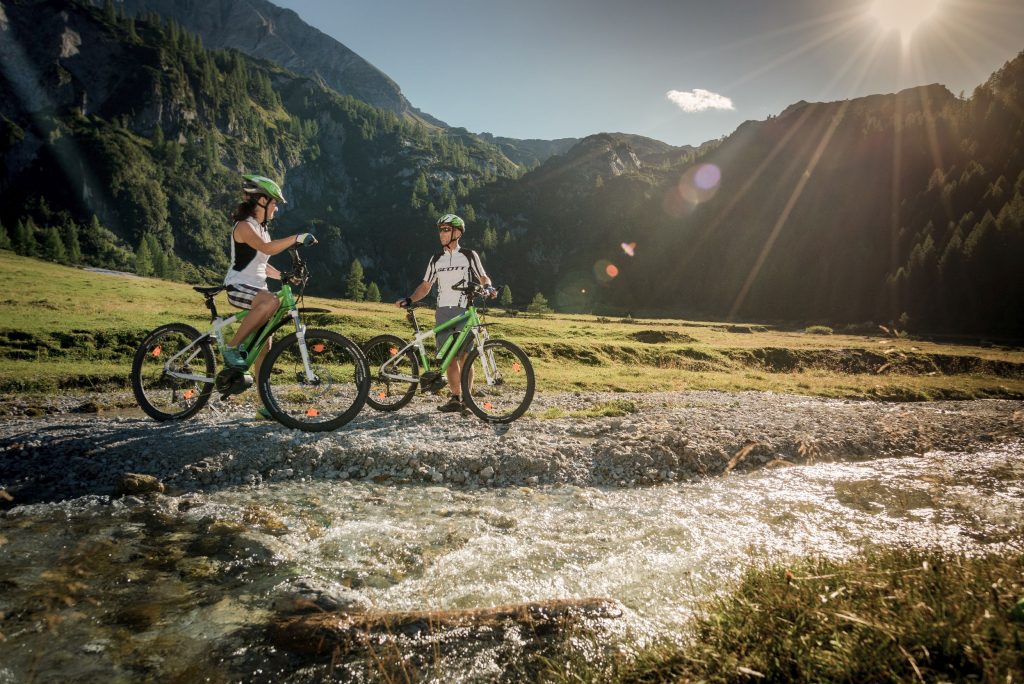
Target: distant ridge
x=261 y=29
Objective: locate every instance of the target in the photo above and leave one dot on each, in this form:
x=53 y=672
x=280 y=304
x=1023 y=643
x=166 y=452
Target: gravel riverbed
x=671 y=436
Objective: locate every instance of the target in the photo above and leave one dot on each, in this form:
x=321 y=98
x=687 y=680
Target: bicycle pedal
x=432 y=382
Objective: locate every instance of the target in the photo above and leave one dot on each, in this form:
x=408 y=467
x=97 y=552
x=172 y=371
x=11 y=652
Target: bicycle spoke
x=386 y=394
x=327 y=396
x=502 y=382
x=166 y=351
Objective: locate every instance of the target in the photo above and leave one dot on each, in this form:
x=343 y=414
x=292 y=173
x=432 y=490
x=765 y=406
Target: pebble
x=673 y=436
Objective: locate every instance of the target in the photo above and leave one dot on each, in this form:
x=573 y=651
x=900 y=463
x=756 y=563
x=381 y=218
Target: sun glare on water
x=904 y=16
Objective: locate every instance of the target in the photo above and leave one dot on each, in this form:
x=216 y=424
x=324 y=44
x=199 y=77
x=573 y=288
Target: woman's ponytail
x=245 y=209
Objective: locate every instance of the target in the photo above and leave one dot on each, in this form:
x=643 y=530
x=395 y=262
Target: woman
x=251 y=249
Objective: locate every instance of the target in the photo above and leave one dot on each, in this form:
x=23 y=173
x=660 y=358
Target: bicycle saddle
x=209 y=291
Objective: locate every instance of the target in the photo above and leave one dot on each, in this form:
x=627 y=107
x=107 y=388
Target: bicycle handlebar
x=473 y=289
x=299 y=274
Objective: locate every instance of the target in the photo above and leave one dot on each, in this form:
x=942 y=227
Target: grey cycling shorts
x=447 y=313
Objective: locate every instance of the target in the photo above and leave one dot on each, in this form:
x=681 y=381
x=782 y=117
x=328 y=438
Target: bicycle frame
x=473 y=326
x=254 y=342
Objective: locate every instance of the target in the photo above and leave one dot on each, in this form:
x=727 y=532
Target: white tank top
x=248 y=265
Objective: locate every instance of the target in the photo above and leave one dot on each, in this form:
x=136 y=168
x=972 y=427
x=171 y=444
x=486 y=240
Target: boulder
x=135 y=483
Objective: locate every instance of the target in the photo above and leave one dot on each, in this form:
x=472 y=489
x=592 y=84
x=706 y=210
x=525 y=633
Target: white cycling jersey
x=248 y=265
x=449 y=268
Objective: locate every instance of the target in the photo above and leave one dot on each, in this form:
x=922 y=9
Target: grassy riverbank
x=888 y=615
x=67 y=329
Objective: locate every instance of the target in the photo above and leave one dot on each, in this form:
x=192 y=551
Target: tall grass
x=899 y=615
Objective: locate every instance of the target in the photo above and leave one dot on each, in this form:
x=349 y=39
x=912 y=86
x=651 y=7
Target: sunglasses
x=444 y=229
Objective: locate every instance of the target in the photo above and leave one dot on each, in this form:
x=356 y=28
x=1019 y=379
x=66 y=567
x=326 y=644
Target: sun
x=904 y=16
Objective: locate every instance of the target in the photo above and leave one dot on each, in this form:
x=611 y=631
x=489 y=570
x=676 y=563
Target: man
x=451 y=266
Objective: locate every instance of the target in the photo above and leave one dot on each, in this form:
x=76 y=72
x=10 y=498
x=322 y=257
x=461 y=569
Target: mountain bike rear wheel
x=162 y=396
x=390 y=395
x=502 y=382
x=332 y=397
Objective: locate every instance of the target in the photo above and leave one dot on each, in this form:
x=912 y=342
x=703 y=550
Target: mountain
x=127 y=134
x=531 y=152
x=125 y=137
x=904 y=208
x=263 y=30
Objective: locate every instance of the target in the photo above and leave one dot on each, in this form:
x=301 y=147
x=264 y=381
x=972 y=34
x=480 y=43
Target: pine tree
x=158 y=140
x=373 y=293
x=25 y=238
x=420 y=186
x=355 y=288
x=172 y=266
x=133 y=36
x=5 y=239
x=506 y=297
x=157 y=254
x=143 y=259
x=539 y=305
x=71 y=242
x=53 y=247
x=490 y=239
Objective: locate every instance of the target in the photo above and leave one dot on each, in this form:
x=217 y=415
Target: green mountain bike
x=311 y=379
x=499 y=373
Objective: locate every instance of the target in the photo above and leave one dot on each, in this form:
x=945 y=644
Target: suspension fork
x=486 y=355
x=300 y=334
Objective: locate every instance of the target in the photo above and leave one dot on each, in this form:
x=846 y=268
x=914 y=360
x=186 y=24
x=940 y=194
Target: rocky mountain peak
x=261 y=29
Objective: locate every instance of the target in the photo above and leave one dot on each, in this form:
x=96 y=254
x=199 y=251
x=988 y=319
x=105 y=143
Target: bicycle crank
x=232 y=381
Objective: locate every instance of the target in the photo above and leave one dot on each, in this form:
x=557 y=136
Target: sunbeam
x=694 y=247
x=903 y=16
x=24 y=79
x=931 y=132
x=836 y=31
x=784 y=216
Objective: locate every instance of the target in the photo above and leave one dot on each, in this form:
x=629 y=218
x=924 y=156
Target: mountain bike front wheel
x=163 y=396
x=385 y=394
x=501 y=379
x=327 y=398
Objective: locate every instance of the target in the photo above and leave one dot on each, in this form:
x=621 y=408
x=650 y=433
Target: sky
x=680 y=71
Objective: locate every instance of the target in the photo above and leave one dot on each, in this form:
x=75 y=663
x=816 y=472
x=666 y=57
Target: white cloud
x=698 y=100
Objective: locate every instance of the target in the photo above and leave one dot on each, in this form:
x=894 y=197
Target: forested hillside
x=903 y=209
x=126 y=138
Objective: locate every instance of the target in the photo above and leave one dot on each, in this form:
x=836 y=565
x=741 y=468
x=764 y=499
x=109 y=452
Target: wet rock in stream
x=347 y=633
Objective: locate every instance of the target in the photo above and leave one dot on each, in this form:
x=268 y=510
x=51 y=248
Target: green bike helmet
x=453 y=221
x=261 y=185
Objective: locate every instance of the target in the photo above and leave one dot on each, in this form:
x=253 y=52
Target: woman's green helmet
x=453 y=221
x=261 y=185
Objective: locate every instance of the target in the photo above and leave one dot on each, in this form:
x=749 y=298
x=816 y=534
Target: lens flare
x=698 y=184
x=707 y=177
x=603 y=270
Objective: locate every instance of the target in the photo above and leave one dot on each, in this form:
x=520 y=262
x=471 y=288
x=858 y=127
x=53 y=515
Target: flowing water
x=179 y=590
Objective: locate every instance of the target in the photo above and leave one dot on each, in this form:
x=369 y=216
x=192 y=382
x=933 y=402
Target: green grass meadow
x=70 y=329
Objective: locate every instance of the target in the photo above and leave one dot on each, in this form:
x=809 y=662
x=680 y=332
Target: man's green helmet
x=453 y=221
x=261 y=185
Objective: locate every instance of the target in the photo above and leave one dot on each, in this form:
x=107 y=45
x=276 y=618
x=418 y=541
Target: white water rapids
x=133 y=589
